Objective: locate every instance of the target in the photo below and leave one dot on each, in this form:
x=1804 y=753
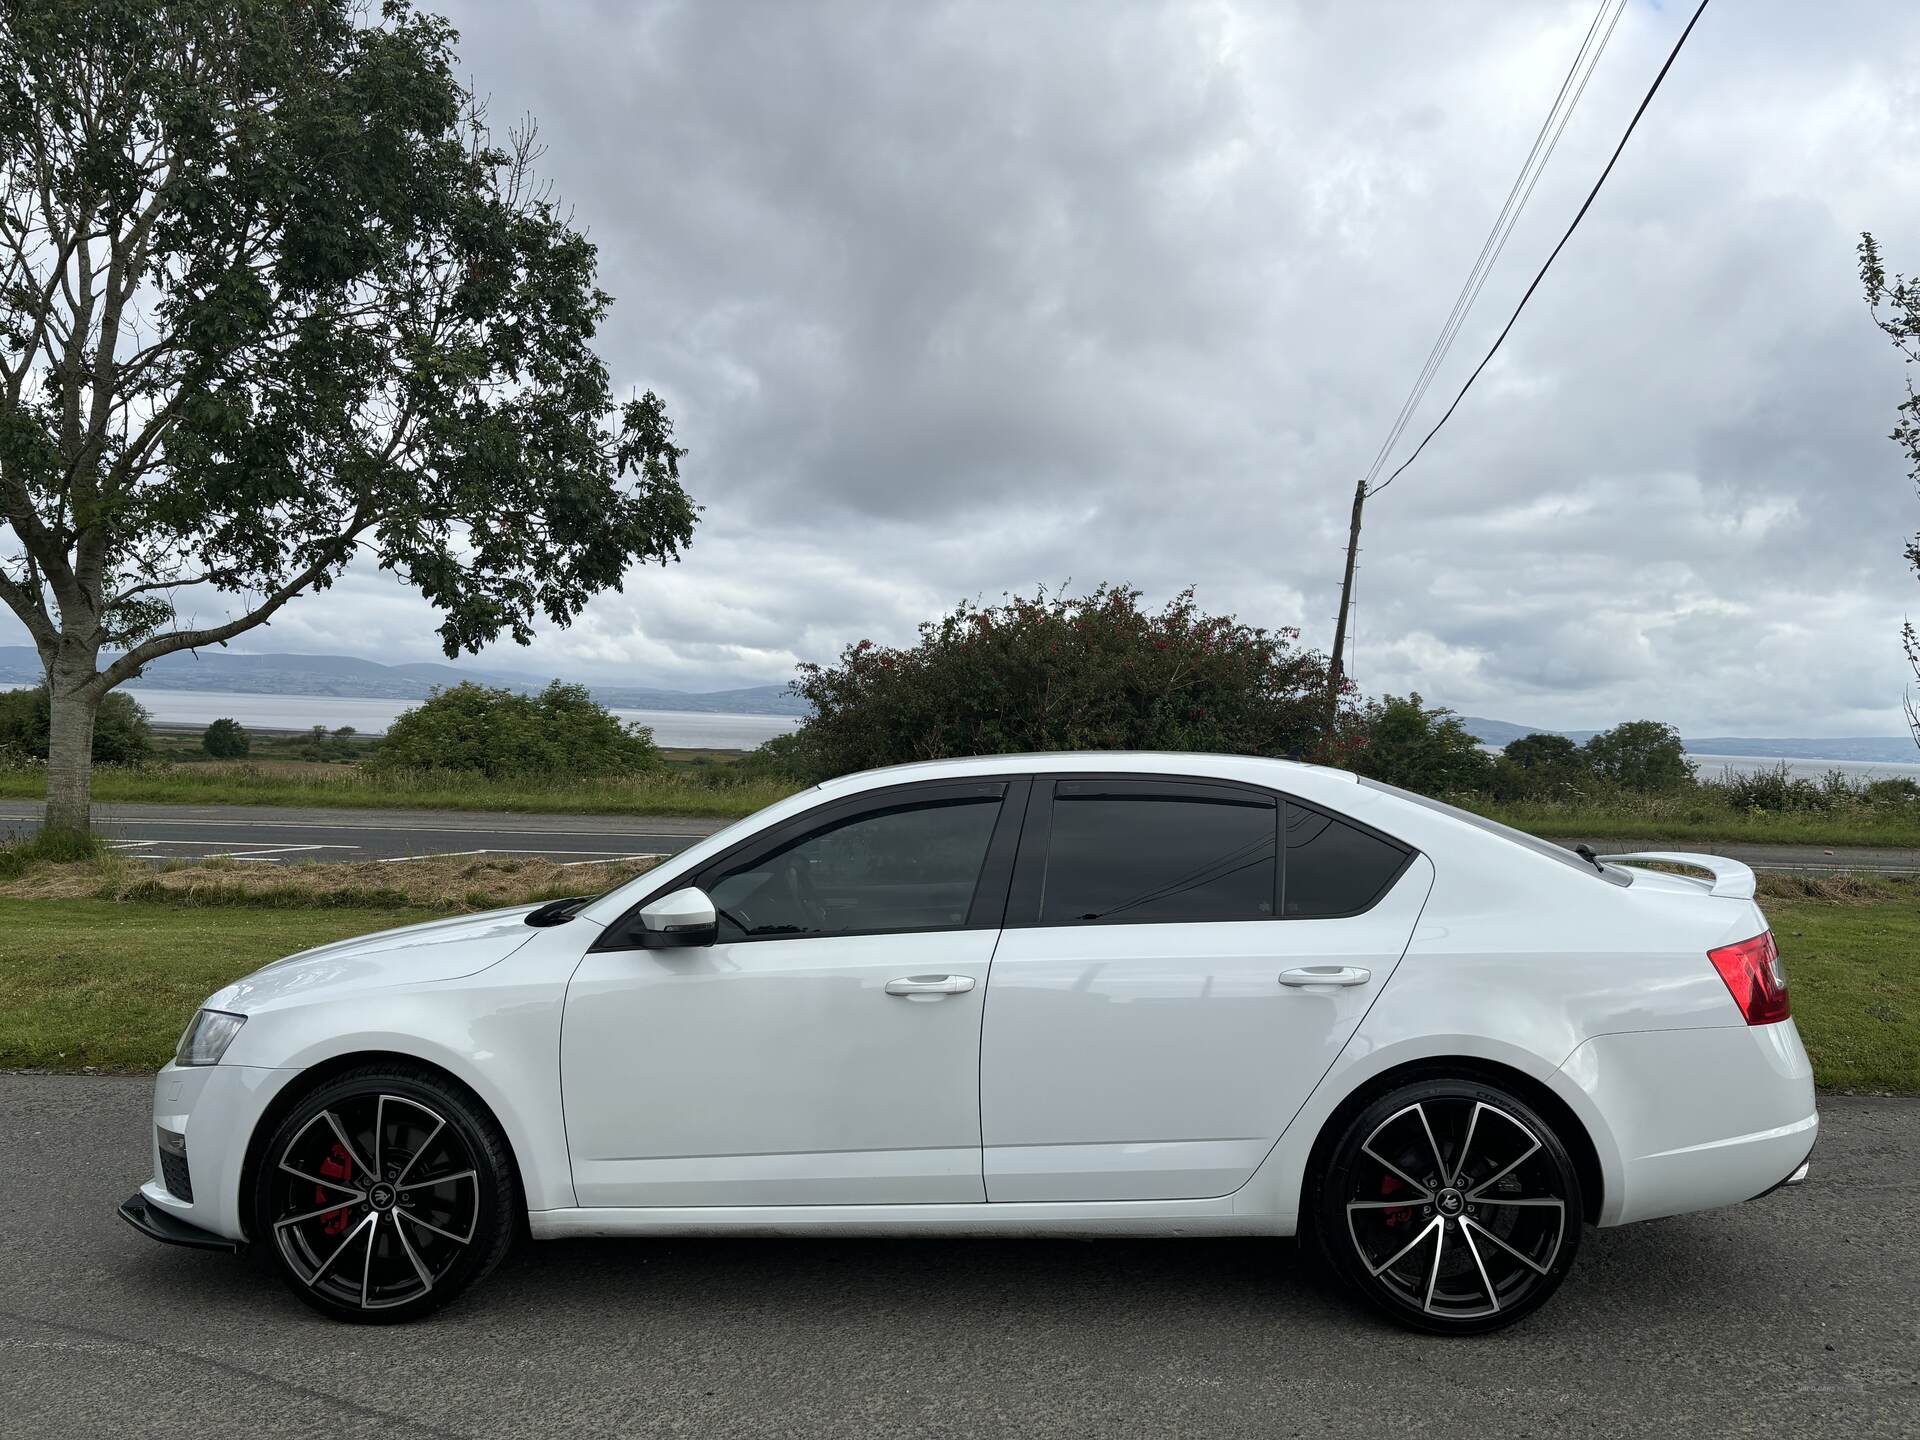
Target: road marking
x=345 y=823
x=603 y=857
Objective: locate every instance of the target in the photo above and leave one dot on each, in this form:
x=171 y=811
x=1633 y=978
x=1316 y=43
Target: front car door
x=825 y=1051
x=1157 y=1012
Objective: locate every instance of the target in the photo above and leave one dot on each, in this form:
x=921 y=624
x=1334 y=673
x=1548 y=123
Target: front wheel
x=1451 y=1206
x=384 y=1194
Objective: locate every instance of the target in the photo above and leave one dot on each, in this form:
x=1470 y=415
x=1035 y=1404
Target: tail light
x=1758 y=980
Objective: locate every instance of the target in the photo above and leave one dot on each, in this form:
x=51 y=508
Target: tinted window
x=1139 y=852
x=1334 y=868
x=910 y=868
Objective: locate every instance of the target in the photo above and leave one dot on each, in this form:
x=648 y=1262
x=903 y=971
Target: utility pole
x=1336 y=671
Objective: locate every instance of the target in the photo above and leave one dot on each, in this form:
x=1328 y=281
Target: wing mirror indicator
x=685 y=917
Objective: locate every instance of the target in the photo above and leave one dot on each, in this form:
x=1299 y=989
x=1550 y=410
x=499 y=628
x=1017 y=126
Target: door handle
x=930 y=985
x=1325 y=975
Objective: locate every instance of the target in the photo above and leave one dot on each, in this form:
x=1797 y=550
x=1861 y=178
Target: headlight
x=207 y=1037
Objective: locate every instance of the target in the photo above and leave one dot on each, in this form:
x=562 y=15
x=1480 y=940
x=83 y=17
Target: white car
x=1095 y=994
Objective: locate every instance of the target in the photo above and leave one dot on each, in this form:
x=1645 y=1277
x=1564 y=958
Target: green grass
x=1704 y=815
x=1853 y=972
x=110 y=984
x=691 y=791
x=96 y=983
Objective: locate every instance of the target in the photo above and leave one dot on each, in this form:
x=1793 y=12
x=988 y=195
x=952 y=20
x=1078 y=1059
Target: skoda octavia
x=1118 y=994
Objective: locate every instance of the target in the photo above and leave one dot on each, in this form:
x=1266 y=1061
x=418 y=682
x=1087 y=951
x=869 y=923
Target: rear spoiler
x=1730 y=877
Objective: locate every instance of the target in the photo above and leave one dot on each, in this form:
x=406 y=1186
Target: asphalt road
x=271 y=835
x=1795 y=1315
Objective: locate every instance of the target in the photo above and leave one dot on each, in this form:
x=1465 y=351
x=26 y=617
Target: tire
x=437 y=1215
x=1489 y=1213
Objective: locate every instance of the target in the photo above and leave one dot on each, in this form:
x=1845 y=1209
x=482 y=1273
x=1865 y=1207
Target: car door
x=825 y=1049
x=1181 y=964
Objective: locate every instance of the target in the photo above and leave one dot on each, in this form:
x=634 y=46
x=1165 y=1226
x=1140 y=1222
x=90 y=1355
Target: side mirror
x=686 y=917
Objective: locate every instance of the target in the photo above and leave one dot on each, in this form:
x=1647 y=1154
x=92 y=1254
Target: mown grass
x=110 y=982
x=110 y=985
x=1704 y=815
x=691 y=792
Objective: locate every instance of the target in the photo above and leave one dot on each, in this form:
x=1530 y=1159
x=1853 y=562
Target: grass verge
x=93 y=980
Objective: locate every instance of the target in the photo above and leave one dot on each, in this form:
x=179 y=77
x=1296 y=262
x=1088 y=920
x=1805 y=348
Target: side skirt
x=1088 y=1218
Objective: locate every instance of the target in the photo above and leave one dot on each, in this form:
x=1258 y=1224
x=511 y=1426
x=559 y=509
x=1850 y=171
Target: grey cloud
x=952 y=299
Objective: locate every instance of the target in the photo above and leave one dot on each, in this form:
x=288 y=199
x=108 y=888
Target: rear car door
x=1181 y=963
x=825 y=1051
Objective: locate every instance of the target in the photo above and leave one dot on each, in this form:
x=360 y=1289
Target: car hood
x=437 y=950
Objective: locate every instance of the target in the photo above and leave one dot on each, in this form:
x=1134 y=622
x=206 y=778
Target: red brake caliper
x=337 y=1166
x=1388 y=1184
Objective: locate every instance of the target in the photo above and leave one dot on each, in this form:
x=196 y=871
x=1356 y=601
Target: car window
x=912 y=867
x=1124 y=851
x=1334 y=868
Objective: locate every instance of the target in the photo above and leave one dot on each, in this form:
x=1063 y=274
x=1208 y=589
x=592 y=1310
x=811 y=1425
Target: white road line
x=133 y=821
x=603 y=857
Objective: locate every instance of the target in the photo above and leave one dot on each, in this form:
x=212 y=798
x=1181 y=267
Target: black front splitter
x=150 y=1220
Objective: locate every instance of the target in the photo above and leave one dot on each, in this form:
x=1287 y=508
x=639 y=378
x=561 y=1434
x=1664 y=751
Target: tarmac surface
x=1795 y=1315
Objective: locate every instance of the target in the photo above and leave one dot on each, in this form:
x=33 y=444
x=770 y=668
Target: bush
x=324 y=745
x=122 y=732
x=560 y=731
x=226 y=740
x=1541 y=767
x=1427 y=751
x=1641 y=755
x=1090 y=672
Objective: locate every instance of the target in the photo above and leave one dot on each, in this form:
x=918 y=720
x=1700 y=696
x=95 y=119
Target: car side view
x=1095 y=994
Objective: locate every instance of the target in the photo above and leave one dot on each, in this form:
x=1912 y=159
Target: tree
x=560 y=731
x=272 y=295
x=1537 y=766
x=226 y=740
x=1900 y=322
x=122 y=733
x=1089 y=672
x=1425 y=750
x=1642 y=755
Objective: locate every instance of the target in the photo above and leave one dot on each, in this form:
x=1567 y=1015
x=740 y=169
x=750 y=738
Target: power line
x=1592 y=194
x=1504 y=222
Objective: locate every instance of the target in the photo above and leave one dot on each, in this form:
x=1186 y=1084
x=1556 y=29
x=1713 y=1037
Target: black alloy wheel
x=1451 y=1206
x=384 y=1194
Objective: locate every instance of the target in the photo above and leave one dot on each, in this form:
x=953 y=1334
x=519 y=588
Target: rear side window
x=1139 y=851
x=1334 y=868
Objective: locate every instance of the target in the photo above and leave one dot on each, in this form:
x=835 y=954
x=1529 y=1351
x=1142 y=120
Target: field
x=101 y=964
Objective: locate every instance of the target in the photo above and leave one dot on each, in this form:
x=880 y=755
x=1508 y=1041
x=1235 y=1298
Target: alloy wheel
x=375 y=1200
x=1458 y=1210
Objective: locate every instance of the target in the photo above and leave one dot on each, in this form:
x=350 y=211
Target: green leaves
x=1090 y=672
x=561 y=731
x=362 y=323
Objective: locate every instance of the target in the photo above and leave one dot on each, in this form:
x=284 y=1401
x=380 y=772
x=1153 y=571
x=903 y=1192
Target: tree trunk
x=70 y=755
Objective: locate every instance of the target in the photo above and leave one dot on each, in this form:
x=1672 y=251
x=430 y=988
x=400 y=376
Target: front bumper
x=213 y=1111
x=158 y=1224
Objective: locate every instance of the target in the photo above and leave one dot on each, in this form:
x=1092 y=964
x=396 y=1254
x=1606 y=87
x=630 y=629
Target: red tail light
x=1758 y=980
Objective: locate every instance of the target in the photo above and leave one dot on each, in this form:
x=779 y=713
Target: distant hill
x=346 y=675
x=1874 y=749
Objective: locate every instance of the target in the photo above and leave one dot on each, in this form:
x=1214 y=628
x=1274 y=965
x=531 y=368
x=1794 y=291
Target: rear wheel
x=384 y=1194
x=1451 y=1206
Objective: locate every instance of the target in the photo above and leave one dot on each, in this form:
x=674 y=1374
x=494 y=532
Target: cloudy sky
x=954 y=299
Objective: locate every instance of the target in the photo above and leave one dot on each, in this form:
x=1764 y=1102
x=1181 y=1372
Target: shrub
x=560 y=731
x=122 y=732
x=1420 y=749
x=1540 y=767
x=1088 y=672
x=226 y=740
x=1641 y=755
